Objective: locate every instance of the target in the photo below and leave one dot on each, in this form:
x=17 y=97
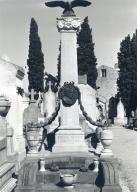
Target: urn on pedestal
x=32 y=137
x=106 y=140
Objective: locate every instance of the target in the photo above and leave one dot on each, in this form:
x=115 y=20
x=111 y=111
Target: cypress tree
x=112 y=108
x=127 y=81
x=35 y=60
x=86 y=58
x=134 y=71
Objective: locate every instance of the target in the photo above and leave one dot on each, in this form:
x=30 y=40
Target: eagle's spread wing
x=82 y=3
x=61 y=4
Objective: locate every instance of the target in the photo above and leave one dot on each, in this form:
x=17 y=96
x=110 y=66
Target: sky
x=110 y=20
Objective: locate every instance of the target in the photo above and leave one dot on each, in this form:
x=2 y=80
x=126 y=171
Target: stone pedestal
x=109 y=175
x=70 y=140
x=106 y=137
x=70 y=137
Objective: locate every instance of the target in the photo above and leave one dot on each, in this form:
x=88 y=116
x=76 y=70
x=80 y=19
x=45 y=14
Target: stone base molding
x=109 y=176
x=70 y=141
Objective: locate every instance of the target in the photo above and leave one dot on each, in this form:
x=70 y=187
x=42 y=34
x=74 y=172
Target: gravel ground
x=124 y=147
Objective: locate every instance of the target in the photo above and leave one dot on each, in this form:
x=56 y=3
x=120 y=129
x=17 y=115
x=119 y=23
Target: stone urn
x=67 y=180
x=4 y=106
x=33 y=138
x=106 y=140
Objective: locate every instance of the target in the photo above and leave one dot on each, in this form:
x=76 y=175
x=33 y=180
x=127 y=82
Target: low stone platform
x=52 y=188
x=77 y=188
x=69 y=160
x=32 y=180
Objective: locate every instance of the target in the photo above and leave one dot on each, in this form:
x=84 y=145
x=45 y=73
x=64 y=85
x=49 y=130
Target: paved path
x=125 y=148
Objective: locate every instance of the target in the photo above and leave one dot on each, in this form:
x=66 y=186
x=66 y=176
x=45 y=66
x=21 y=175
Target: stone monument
x=70 y=165
x=70 y=136
x=120 y=119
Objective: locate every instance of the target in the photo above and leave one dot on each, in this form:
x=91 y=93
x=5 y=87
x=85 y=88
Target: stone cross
x=32 y=93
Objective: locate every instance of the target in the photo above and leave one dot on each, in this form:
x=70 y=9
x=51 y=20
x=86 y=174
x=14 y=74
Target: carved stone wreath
x=69 y=94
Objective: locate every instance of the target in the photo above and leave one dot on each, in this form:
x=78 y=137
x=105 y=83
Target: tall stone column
x=70 y=137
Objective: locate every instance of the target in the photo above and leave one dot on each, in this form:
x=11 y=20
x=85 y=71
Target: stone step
x=6 y=171
x=55 y=188
x=77 y=188
x=5 y=168
x=9 y=185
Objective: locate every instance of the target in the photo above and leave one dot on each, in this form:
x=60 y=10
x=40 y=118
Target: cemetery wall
x=11 y=78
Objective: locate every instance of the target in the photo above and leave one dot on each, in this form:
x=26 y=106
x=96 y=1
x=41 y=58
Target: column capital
x=68 y=24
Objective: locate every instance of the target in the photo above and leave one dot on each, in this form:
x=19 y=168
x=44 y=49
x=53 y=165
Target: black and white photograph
x=68 y=95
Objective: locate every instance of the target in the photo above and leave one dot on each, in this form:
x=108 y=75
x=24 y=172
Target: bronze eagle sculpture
x=68 y=6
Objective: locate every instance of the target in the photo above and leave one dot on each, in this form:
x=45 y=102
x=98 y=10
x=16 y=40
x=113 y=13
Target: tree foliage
x=86 y=58
x=127 y=81
x=112 y=107
x=35 y=60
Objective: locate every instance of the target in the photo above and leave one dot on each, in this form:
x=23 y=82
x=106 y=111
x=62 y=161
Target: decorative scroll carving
x=68 y=23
